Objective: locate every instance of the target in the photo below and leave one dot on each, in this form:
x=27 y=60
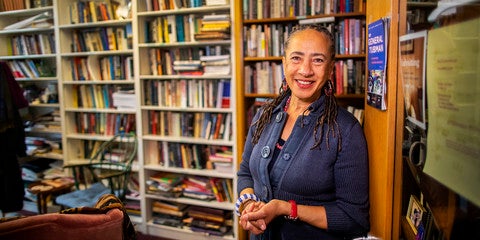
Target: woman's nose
x=306 y=69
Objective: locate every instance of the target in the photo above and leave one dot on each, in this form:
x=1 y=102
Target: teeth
x=304 y=82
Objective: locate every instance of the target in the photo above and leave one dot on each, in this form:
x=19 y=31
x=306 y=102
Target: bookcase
x=96 y=63
x=266 y=24
x=187 y=117
x=28 y=40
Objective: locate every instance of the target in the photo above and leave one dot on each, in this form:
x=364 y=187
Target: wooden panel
x=239 y=93
x=380 y=129
x=398 y=168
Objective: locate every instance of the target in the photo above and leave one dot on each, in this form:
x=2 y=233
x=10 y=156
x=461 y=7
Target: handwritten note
x=453 y=96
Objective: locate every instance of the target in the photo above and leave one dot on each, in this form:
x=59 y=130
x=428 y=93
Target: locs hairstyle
x=329 y=114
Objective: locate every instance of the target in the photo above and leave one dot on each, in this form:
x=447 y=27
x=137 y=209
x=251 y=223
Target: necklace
x=286 y=104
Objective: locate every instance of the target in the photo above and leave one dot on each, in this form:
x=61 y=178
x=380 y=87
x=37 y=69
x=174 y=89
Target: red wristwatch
x=293 y=212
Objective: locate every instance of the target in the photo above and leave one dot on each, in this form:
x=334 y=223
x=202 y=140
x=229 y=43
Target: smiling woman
x=304 y=170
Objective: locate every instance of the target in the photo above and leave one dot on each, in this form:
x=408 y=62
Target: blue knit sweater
x=337 y=180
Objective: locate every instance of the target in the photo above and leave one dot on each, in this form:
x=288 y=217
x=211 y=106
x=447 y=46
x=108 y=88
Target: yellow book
x=159 y=30
x=112 y=40
x=93 y=11
x=166 y=36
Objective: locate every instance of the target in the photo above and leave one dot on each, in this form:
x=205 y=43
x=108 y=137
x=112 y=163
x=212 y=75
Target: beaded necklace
x=278 y=145
x=287 y=104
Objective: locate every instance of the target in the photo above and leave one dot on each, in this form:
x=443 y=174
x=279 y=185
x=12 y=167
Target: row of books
x=31 y=68
x=263 y=77
x=209 y=221
x=196 y=187
x=172 y=28
x=11 y=5
x=266 y=40
x=102 y=39
x=261 y=9
x=212 y=126
x=93 y=11
x=159 y=5
x=95 y=68
x=194 y=93
x=208 y=60
x=107 y=124
x=93 y=96
x=32 y=44
x=191 y=156
x=349 y=76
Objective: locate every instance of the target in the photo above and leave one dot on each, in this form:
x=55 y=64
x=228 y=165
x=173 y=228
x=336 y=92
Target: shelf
x=200 y=10
x=26 y=30
x=421 y=4
x=295 y=19
x=181 y=233
x=33 y=56
x=107 y=23
x=25 y=12
x=195 y=172
x=184 y=44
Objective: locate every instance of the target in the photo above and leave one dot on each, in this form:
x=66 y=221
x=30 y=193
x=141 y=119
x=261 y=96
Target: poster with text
x=453 y=95
x=377 y=62
x=413 y=54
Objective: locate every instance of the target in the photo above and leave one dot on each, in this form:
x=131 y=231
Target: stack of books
x=197 y=187
x=165 y=184
x=124 y=100
x=188 y=67
x=214 y=27
x=211 y=221
x=216 y=64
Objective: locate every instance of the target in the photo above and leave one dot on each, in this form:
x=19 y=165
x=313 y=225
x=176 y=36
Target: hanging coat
x=12 y=141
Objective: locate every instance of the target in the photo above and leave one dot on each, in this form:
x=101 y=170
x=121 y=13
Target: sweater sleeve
x=350 y=212
x=245 y=179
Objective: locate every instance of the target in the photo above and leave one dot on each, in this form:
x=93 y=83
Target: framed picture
x=412 y=56
x=414 y=213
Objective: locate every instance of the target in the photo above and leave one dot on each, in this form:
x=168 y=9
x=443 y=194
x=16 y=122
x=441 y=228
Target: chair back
x=113 y=162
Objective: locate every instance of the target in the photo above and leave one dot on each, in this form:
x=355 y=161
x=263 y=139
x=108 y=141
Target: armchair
x=106 y=220
x=108 y=171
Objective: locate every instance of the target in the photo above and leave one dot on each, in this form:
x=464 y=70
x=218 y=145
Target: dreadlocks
x=328 y=115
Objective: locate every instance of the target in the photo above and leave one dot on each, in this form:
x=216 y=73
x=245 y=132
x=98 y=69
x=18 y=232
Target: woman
x=304 y=170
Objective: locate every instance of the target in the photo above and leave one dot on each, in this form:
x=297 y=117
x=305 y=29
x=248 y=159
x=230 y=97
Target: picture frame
x=415 y=213
x=412 y=57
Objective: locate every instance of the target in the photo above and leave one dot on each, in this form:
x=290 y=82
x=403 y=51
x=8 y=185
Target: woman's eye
x=295 y=58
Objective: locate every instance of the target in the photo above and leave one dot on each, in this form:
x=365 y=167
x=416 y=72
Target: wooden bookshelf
x=187 y=112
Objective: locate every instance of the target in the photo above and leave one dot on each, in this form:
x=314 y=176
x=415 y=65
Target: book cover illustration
x=413 y=53
x=377 y=62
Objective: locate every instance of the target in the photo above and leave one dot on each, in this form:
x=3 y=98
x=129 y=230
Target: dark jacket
x=12 y=141
x=336 y=180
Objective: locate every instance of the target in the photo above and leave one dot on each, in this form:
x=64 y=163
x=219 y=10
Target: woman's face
x=307 y=64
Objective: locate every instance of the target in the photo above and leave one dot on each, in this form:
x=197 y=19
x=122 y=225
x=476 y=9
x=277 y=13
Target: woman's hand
x=258 y=216
x=256 y=226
